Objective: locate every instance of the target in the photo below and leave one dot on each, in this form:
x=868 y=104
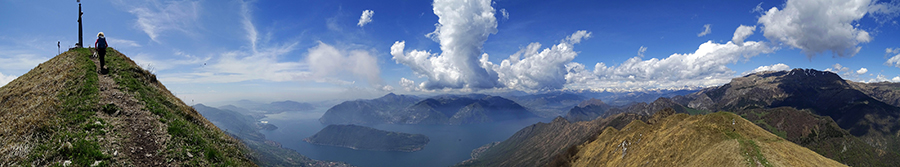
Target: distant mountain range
x=274 y=107
x=838 y=119
x=443 y=109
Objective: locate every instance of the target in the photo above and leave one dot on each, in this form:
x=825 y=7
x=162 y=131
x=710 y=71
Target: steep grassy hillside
x=820 y=134
x=717 y=139
x=63 y=113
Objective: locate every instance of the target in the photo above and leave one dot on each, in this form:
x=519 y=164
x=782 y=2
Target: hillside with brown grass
x=63 y=113
x=717 y=139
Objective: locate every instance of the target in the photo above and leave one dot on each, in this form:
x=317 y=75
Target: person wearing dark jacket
x=101 y=50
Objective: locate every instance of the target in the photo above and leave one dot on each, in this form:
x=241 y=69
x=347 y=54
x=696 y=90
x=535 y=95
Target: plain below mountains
x=366 y=138
x=444 y=109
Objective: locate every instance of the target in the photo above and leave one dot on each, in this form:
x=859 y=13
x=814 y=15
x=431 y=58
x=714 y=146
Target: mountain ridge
x=441 y=109
x=123 y=118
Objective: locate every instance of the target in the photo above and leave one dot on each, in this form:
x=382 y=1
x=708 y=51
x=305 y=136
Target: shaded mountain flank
x=444 y=109
x=717 y=139
x=538 y=144
x=595 y=108
x=63 y=113
x=366 y=138
x=888 y=92
x=246 y=128
x=821 y=98
x=367 y=112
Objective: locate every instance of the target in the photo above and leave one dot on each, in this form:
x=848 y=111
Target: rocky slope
x=718 y=139
x=63 y=113
x=888 y=92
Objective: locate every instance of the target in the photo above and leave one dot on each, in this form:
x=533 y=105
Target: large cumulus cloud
x=704 y=67
x=533 y=68
x=462 y=29
x=817 y=26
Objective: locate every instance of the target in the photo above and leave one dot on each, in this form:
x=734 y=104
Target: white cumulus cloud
x=409 y=85
x=462 y=29
x=741 y=33
x=533 y=68
x=773 y=67
x=882 y=78
x=365 y=18
x=817 y=26
x=704 y=67
x=706 y=30
x=862 y=71
x=895 y=60
x=504 y=13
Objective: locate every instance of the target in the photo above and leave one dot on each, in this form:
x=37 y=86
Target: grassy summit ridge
x=717 y=139
x=62 y=112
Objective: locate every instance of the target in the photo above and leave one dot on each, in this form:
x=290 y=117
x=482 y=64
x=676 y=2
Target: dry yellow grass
x=30 y=102
x=702 y=140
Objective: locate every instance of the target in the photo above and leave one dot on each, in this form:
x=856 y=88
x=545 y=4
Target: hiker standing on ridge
x=101 y=50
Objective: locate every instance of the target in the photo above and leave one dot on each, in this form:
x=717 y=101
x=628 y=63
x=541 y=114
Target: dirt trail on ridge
x=139 y=135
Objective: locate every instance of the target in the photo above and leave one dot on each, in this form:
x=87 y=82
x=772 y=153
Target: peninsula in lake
x=366 y=138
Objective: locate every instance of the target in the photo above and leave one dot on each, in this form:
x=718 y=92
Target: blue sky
x=209 y=51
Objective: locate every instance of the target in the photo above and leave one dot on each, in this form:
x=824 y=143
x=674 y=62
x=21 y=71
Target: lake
x=449 y=144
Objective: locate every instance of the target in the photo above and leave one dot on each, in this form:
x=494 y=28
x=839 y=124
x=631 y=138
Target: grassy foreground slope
x=63 y=113
x=717 y=139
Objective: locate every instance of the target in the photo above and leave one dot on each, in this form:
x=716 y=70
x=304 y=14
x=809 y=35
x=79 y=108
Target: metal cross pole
x=80 y=43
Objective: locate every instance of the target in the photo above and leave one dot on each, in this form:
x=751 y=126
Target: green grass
x=188 y=133
x=692 y=111
x=74 y=136
x=749 y=149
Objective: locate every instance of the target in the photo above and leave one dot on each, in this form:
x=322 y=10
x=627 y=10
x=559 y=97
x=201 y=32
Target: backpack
x=101 y=43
